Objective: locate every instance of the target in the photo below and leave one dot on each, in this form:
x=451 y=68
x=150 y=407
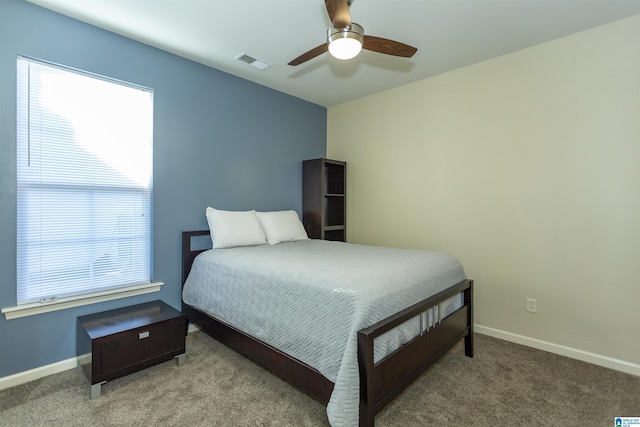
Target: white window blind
x=84 y=168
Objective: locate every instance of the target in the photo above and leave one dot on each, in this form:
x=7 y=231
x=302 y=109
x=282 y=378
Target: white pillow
x=233 y=228
x=282 y=226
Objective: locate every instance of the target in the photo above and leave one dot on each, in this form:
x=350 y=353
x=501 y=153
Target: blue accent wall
x=218 y=141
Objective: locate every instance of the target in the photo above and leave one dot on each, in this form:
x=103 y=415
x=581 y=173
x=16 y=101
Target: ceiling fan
x=345 y=39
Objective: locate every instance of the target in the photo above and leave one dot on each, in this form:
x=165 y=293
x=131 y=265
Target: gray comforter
x=309 y=298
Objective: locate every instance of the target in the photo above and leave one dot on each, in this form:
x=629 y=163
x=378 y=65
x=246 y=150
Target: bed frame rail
x=295 y=372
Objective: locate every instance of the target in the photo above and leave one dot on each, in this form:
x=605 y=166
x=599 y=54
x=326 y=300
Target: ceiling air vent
x=255 y=63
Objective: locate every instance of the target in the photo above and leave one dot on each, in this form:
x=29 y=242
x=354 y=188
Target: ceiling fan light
x=345 y=48
x=345 y=43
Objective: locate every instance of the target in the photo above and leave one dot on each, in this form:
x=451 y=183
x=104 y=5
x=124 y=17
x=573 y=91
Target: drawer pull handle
x=143 y=335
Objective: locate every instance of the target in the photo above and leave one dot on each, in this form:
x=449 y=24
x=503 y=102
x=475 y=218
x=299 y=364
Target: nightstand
x=117 y=342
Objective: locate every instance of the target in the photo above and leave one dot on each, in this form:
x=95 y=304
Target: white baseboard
x=54 y=368
x=34 y=374
x=585 y=356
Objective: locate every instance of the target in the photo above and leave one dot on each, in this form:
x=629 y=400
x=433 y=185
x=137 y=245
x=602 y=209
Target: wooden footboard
x=379 y=382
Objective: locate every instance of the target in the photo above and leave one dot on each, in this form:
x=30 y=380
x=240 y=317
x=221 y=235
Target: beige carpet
x=504 y=385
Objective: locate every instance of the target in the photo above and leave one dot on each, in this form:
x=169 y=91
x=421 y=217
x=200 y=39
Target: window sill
x=63 y=303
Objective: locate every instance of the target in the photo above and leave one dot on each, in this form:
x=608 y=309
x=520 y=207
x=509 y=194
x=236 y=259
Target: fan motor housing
x=354 y=32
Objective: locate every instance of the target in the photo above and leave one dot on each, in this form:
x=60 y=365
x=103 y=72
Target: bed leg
x=468 y=345
x=365 y=365
x=468 y=340
x=366 y=417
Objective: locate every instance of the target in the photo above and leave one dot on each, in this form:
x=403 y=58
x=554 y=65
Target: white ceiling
x=448 y=34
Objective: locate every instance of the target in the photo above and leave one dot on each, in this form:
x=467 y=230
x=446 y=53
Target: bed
x=383 y=347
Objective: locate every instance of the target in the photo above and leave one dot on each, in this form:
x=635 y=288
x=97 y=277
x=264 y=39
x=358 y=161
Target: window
x=84 y=168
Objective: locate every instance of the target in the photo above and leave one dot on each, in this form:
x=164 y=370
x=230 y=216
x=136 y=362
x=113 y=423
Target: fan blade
x=310 y=54
x=388 y=47
x=339 y=14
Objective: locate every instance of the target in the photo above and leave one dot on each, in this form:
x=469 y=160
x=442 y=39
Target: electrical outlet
x=531 y=305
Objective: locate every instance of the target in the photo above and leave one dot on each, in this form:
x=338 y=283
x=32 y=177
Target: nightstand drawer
x=140 y=345
x=118 y=342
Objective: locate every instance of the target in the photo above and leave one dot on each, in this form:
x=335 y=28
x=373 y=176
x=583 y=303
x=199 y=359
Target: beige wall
x=527 y=168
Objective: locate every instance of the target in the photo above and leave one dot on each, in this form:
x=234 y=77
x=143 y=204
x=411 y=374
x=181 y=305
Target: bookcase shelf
x=324 y=199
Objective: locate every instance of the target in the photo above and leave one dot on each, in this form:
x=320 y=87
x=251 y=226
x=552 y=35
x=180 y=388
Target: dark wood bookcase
x=324 y=199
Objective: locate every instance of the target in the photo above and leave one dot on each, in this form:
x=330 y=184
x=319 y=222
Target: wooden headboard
x=188 y=254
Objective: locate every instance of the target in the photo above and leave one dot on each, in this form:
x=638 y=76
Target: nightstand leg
x=180 y=359
x=96 y=390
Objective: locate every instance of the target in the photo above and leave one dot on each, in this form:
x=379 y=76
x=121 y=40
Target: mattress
x=309 y=298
